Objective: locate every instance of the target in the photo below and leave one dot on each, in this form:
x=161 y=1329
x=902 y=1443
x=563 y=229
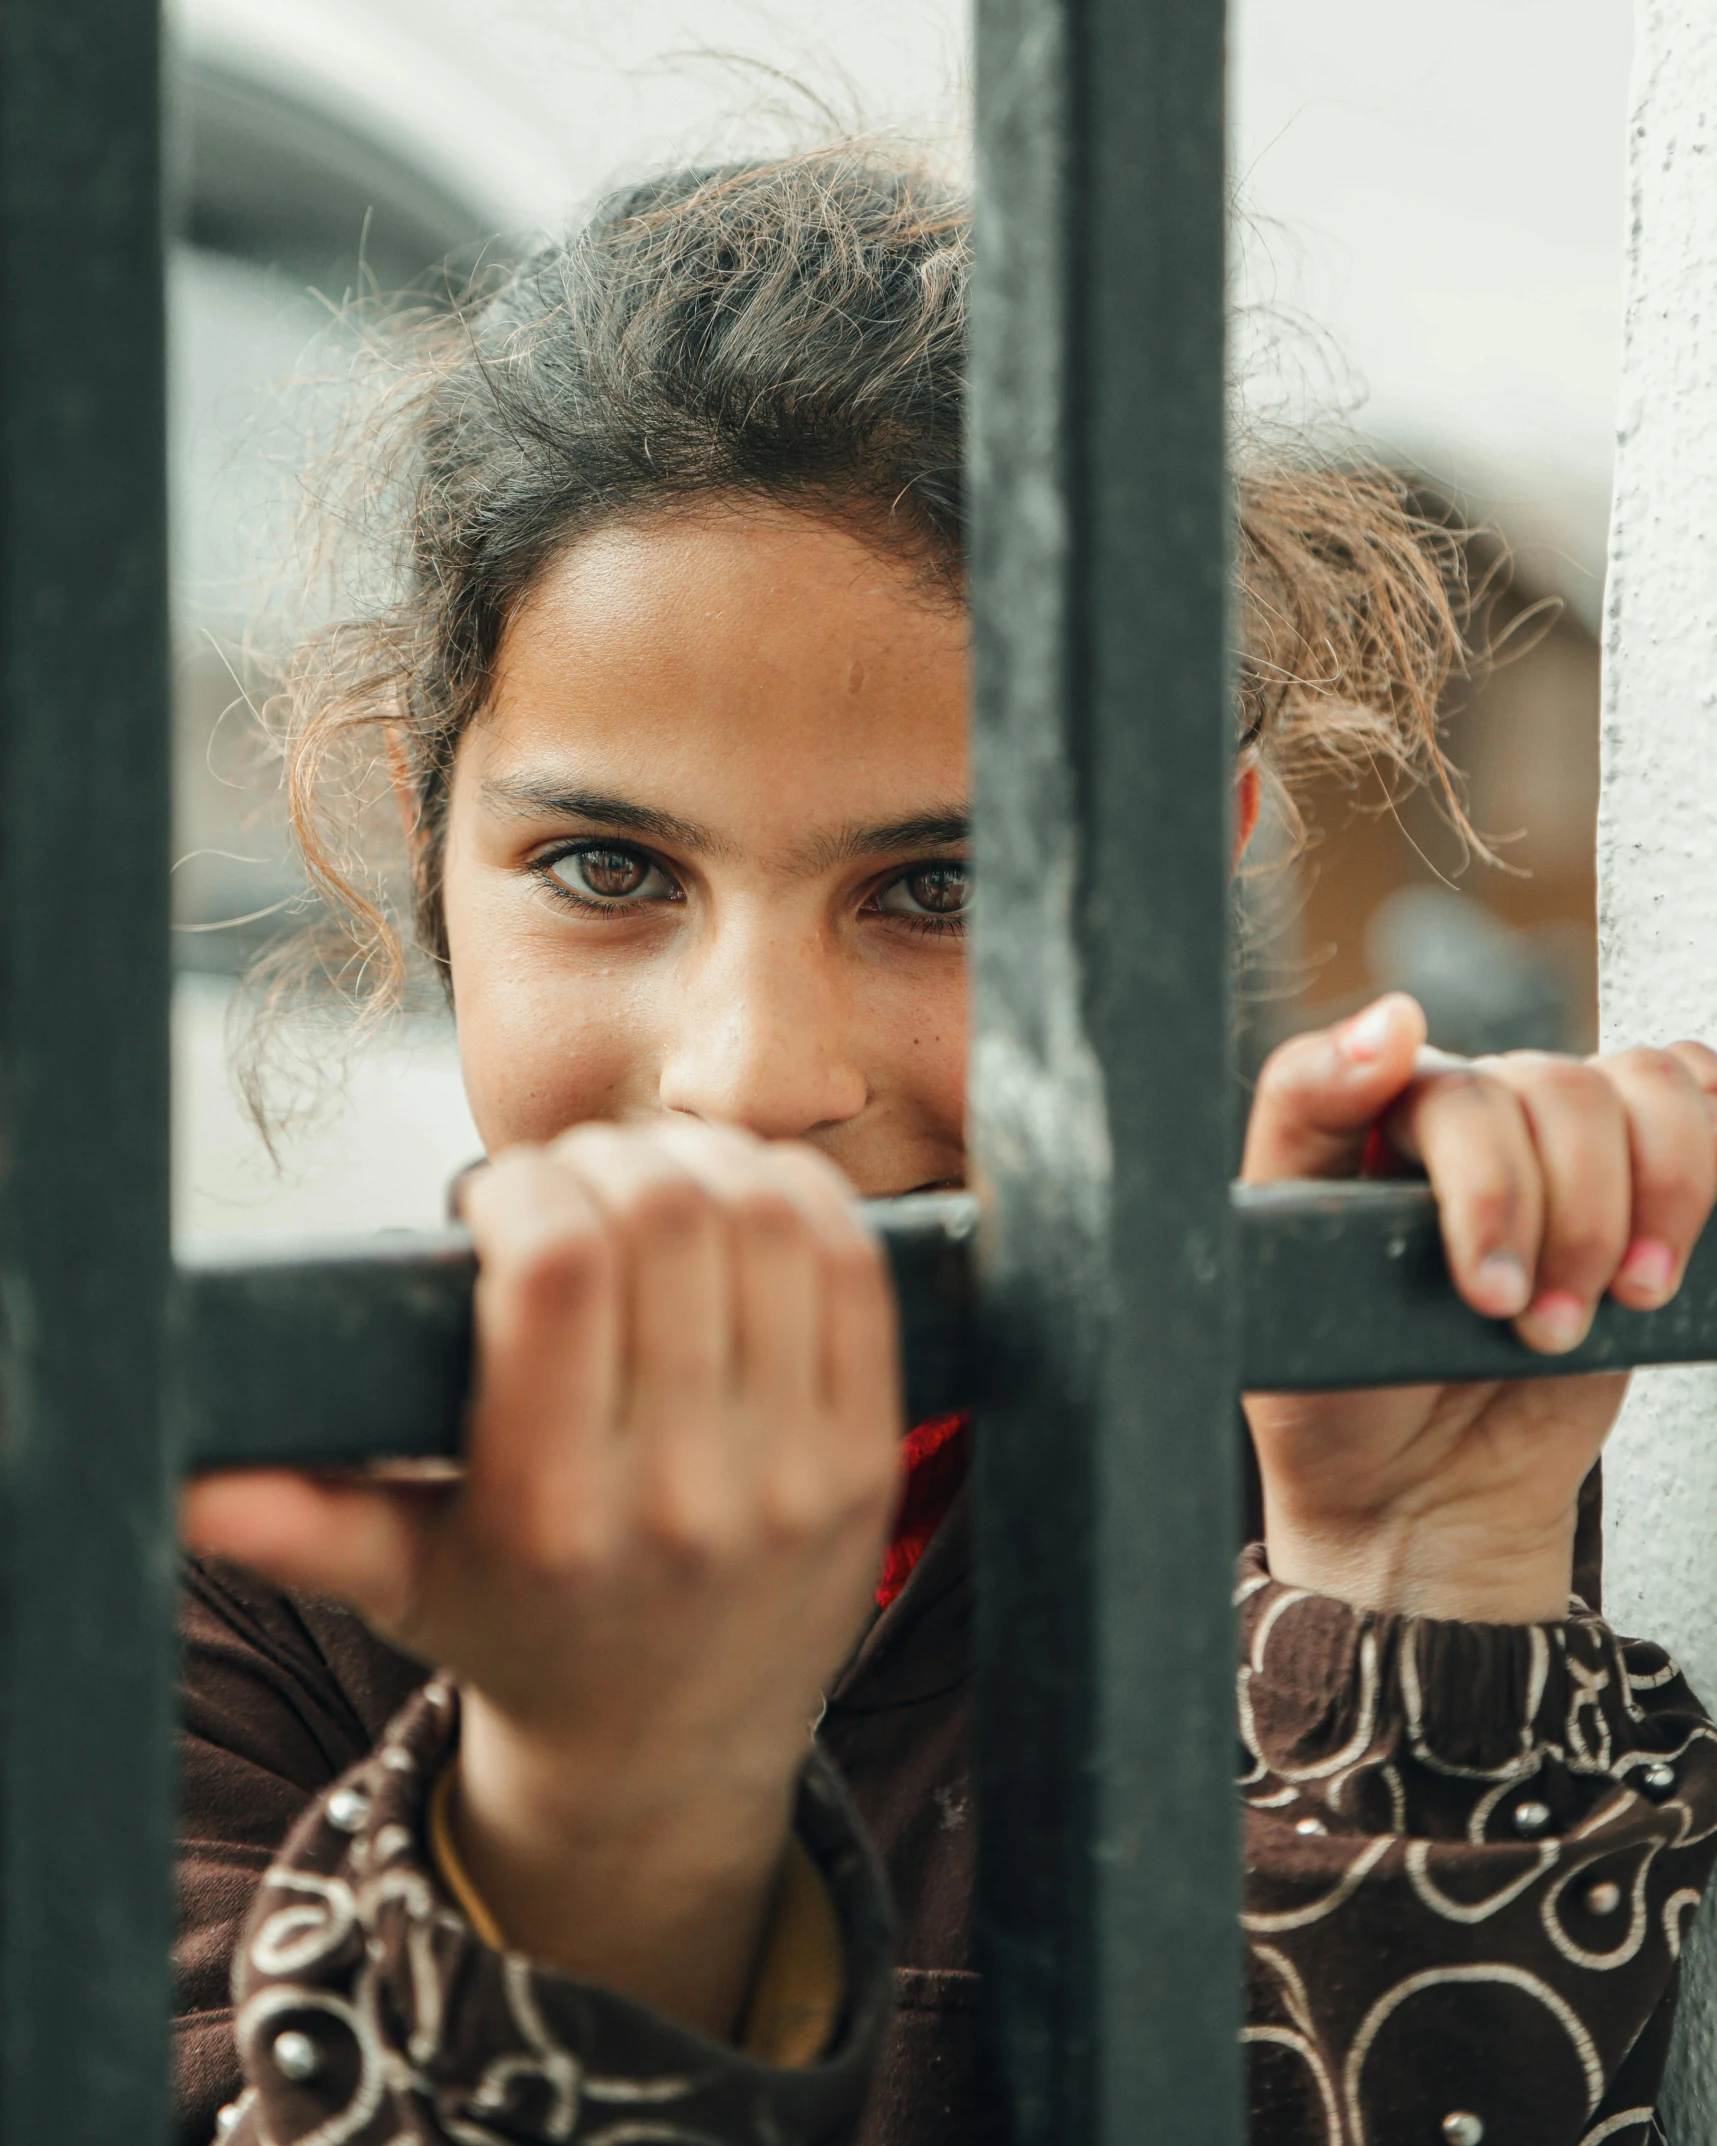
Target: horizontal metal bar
x=342 y=1351
x=1345 y=1285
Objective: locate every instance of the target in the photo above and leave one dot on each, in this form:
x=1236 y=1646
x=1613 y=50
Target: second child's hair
x=793 y=334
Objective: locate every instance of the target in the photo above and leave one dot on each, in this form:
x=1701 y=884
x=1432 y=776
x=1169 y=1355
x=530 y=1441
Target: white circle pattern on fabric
x=1551 y=1840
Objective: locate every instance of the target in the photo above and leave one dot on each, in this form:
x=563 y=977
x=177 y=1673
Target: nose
x=762 y=1032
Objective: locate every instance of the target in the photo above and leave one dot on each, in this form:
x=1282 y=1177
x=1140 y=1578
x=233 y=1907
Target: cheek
x=536 y=1060
x=925 y=1032
x=540 y=1049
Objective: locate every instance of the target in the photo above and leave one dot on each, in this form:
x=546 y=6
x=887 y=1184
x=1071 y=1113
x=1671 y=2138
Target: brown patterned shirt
x=1471 y=1855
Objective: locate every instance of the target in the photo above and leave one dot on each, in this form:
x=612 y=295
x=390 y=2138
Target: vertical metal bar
x=1108 y=1897
x=85 y=1563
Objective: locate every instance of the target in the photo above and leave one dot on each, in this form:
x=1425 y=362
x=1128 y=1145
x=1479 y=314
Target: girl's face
x=706 y=848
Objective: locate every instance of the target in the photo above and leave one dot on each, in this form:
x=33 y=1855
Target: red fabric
x=934 y=1457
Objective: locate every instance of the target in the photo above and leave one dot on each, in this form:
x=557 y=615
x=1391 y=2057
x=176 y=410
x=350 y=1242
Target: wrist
x=652 y=1878
x=1420 y=1566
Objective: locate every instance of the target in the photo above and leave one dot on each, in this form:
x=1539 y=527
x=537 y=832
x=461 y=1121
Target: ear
x=404 y=789
x=1247 y=793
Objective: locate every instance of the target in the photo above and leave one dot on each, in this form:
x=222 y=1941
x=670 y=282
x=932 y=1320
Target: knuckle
x=1699 y=1059
x=769 y=1216
x=796 y=1502
x=668 y=1207
x=692 y=1519
x=549 y=1260
x=1570 y=1080
x=696 y=1540
x=1646 y=1063
x=563 y=1550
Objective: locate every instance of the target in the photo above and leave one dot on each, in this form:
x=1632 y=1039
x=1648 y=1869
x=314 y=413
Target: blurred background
x=1433 y=228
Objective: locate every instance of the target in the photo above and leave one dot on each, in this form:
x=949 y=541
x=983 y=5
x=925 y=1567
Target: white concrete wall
x=1657 y=844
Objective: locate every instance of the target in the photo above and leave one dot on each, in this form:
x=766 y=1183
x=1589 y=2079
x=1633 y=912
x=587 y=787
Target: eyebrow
x=942 y=827
x=522 y=796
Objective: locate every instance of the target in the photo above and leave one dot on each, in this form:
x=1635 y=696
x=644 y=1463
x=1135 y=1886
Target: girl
x=569 y=1800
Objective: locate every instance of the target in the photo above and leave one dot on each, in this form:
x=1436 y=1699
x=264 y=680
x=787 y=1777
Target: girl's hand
x=682 y=1460
x=1557 y=1179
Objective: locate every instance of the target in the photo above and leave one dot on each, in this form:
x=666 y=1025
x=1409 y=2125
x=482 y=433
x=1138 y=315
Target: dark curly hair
x=790 y=332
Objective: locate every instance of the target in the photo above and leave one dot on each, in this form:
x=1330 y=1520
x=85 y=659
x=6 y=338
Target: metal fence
x=1115 y=1300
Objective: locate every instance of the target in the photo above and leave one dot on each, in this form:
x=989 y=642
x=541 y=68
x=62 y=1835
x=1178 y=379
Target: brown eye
x=603 y=874
x=611 y=873
x=943 y=891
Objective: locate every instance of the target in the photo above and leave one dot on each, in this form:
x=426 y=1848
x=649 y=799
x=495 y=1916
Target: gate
x=1115 y=1299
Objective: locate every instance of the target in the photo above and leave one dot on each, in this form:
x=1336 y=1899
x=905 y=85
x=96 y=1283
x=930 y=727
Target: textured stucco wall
x=1657 y=843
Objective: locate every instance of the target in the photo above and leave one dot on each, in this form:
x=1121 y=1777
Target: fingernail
x=1502 y=1284
x=1649 y=1267
x=1555 y=1321
x=1364 y=1036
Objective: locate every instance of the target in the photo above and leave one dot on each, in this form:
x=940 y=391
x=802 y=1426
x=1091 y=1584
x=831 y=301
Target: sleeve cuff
x=366 y=1993
x=798 y=1989
x=1327 y=1689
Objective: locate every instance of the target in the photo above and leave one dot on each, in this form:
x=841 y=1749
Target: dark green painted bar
x=1339 y=1285
x=85 y=1548
x=1345 y=1285
x=1108 y=1889
x=391 y=1317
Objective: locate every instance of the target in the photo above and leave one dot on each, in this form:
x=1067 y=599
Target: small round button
x=295 y=2055
x=1603 y=1898
x=1529 y=1818
x=1310 y=1825
x=1657 y=1779
x=348 y=1808
x=1462 y=2128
